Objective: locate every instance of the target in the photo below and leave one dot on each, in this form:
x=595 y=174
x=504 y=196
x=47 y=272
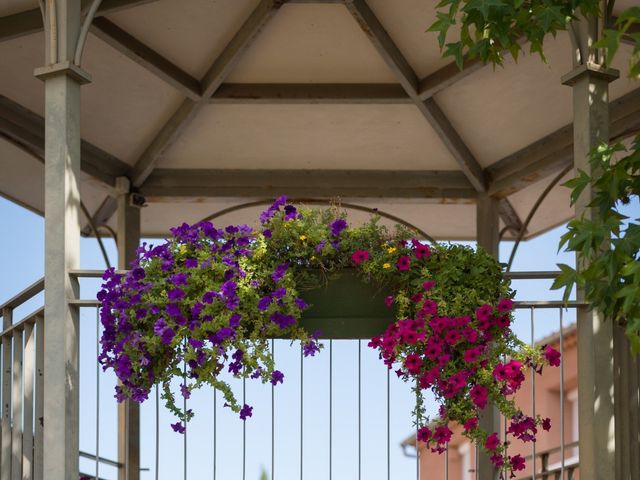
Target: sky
x=22 y=255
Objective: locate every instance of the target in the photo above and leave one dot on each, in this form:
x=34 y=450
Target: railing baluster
x=359 y=409
x=16 y=400
x=533 y=398
x=273 y=416
x=561 y=396
x=5 y=467
x=215 y=426
x=330 y=408
x=157 y=449
x=388 y=425
x=38 y=473
x=27 y=435
x=244 y=431
x=97 y=465
x=301 y=414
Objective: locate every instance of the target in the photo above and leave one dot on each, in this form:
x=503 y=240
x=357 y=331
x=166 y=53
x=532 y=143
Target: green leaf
x=610 y=41
x=577 y=185
x=566 y=279
x=454 y=50
x=482 y=6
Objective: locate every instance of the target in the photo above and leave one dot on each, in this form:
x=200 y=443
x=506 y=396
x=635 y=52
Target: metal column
x=589 y=81
x=62 y=238
x=128 y=412
x=488 y=237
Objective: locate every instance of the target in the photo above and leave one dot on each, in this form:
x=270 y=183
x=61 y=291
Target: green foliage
x=612 y=38
x=489 y=28
x=608 y=241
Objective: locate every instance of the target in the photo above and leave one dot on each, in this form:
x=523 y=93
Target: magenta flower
x=505 y=305
x=413 y=363
x=473 y=354
x=546 y=424
x=552 y=356
x=424 y=434
x=479 y=396
x=388 y=301
x=492 y=442
x=403 y=263
x=517 y=462
x=428 y=285
x=422 y=251
x=360 y=256
x=442 y=434
x=471 y=424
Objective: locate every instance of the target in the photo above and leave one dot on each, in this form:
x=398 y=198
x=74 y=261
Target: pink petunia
x=428 y=285
x=552 y=356
x=517 y=462
x=403 y=263
x=505 y=305
x=492 y=442
x=479 y=395
x=471 y=424
x=360 y=256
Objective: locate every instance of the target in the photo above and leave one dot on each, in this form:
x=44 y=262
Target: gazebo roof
x=207 y=105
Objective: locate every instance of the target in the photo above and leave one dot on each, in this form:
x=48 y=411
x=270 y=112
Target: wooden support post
x=488 y=236
x=5 y=452
x=597 y=441
x=62 y=79
x=128 y=412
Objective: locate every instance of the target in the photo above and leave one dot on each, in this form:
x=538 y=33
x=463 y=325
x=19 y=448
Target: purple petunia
x=277 y=377
x=246 y=411
x=338 y=226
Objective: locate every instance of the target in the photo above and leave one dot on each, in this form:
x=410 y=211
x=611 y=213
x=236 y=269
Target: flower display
x=208 y=300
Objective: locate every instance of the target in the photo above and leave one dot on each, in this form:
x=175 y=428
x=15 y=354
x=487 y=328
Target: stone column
x=590 y=84
x=488 y=237
x=128 y=232
x=62 y=81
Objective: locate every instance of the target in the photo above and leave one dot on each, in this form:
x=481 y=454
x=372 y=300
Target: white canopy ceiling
x=210 y=104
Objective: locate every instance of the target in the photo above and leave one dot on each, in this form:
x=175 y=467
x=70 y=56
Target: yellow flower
x=303 y=237
x=386 y=265
x=391 y=250
x=313 y=258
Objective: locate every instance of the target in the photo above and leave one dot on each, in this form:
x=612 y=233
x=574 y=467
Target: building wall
x=461 y=454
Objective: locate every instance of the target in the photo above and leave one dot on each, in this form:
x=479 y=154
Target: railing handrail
x=25 y=295
x=31 y=318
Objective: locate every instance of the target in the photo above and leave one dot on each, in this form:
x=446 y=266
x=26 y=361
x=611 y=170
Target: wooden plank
x=509 y=216
x=29 y=378
x=38 y=460
x=146 y=57
x=30 y=21
x=7 y=358
x=16 y=393
x=214 y=77
x=312 y=93
x=167 y=183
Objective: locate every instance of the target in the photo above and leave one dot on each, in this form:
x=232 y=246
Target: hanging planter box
x=346 y=308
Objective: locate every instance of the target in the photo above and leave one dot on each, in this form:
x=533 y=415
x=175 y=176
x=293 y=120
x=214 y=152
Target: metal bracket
x=608 y=74
x=63 y=68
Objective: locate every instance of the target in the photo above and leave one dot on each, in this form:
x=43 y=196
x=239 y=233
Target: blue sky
x=22 y=247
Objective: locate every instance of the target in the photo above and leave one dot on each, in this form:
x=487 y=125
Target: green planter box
x=347 y=308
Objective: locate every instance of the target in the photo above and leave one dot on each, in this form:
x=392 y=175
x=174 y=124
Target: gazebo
x=206 y=109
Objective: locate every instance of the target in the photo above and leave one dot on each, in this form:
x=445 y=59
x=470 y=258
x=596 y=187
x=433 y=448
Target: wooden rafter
x=26 y=129
x=554 y=152
x=171 y=183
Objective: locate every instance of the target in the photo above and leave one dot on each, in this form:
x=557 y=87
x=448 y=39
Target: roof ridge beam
x=310 y=93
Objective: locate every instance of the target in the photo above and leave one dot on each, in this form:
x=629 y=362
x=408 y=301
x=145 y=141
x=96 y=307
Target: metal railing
x=22 y=347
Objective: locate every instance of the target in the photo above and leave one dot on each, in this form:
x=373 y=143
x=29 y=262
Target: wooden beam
x=220 y=69
x=172 y=183
x=554 y=152
x=445 y=77
x=30 y=21
x=102 y=215
x=509 y=216
x=312 y=93
x=26 y=128
x=388 y=50
x=146 y=57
